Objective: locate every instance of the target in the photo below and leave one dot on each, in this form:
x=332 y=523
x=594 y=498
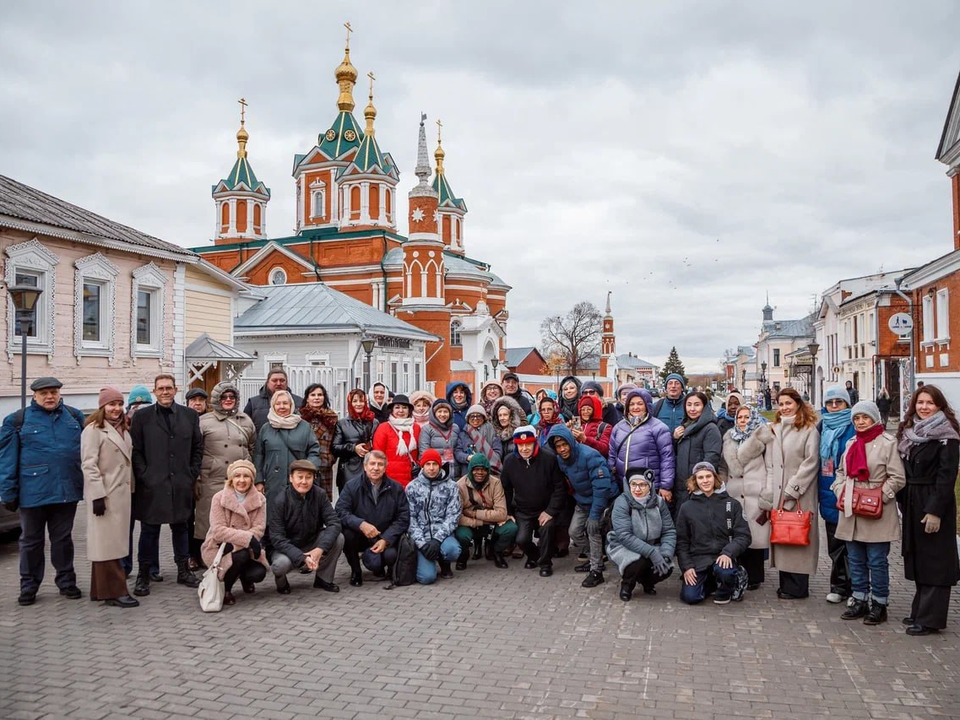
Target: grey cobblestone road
x=488 y=643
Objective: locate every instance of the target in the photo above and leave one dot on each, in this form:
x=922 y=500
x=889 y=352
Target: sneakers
x=593 y=578
x=582 y=567
x=834 y=598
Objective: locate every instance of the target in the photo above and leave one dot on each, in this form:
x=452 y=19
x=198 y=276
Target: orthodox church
x=346 y=237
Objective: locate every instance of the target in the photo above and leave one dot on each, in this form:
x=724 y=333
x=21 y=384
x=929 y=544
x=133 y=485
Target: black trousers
x=930 y=606
x=527 y=525
x=355 y=543
x=839 y=568
x=796 y=584
x=245 y=568
x=752 y=561
x=149 y=546
x=641 y=571
x=57 y=520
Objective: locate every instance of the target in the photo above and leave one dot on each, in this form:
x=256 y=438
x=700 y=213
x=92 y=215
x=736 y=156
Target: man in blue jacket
x=40 y=474
x=589 y=477
x=669 y=409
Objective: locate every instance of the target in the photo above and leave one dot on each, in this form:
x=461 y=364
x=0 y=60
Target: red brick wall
x=951 y=349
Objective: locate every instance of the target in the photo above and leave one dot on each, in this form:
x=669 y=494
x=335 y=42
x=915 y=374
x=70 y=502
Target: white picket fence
x=335 y=380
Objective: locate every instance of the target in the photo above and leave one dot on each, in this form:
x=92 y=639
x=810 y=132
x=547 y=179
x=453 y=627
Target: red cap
x=431 y=455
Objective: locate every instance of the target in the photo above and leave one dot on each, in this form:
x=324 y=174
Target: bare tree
x=574 y=336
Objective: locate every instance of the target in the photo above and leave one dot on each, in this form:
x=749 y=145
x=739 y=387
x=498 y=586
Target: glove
x=431 y=551
x=255 y=548
x=11 y=505
x=99 y=506
x=661 y=566
x=593 y=527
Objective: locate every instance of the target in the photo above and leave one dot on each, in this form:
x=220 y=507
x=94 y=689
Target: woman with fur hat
x=489 y=394
x=506 y=416
x=228 y=435
x=870 y=462
x=397 y=439
x=441 y=433
x=323 y=420
x=422 y=403
x=238 y=517
x=478 y=436
x=105 y=457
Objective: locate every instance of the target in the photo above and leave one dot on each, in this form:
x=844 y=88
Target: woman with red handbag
x=868 y=478
x=793 y=460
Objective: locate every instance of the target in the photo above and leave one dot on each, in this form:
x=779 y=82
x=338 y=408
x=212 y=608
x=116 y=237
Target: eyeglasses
x=228 y=396
x=589 y=393
x=835 y=402
x=638 y=485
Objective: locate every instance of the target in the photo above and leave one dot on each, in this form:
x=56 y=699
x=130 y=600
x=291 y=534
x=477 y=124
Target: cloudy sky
x=687 y=156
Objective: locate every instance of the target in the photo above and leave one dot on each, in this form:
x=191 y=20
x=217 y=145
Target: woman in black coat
x=697 y=440
x=353 y=437
x=929 y=443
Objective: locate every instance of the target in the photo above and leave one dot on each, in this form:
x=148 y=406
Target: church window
x=278 y=276
x=455 y=327
x=319 y=203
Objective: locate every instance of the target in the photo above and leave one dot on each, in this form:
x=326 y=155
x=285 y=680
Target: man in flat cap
x=40 y=474
x=197 y=400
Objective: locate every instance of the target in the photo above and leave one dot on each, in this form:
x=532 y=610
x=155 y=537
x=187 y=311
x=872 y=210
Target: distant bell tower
x=767 y=311
x=608 y=341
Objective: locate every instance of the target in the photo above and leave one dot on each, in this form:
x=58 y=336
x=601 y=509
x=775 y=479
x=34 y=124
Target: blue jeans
x=869 y=570
x=723 y=581
x=427 y=569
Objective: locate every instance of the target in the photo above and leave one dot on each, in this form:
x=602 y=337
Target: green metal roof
x=445 y=194
x=242 y=177
x=334 y=142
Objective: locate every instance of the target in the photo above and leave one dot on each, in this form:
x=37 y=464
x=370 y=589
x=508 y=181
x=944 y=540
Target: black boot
x=488 y=549
x=626 y=590
x=856 y=610
x=184 y=576
x=478 y=548
x=877 y=614
x=356 y=572
x=142 y=586
x=462 y=560
x=499 y=561
x=445 y=571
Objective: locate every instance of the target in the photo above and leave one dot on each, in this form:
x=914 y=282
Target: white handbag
x=211 y=586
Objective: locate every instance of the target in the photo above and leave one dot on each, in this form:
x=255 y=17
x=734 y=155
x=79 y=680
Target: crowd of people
x=285 y=484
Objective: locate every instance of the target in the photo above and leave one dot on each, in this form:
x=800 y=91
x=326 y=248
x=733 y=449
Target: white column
x=346 y=206
x=263 y=219
x=334 y=200
x=250 y=231
x=233 y=216
x=217 y=233
x=383 y=205
x=365 y=202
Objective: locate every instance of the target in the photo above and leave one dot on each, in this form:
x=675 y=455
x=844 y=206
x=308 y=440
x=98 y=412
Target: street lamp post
x=813 y=347
x=25 y=301
x=368 y=343
x=763 y=383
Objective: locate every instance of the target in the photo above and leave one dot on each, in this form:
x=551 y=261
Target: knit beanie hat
x=139 y=394
x=524 y=434
x=109 y=395
x=237 y=464
x=431 y=455
x=477 y=460
x=592 y=385
x=836 y=392
x=703 y=465
x=476 y=410
x=868 y=408
x=678 y=378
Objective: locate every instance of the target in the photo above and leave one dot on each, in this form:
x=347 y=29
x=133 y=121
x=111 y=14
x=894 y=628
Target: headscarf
x=366 y=415
x=422 y=418
x=282 y=423
x=543 y=424
x=372 y=404
x=755 y=421
x=722 y=413
x=217 y=393
x=935 y=427
x=834 y=426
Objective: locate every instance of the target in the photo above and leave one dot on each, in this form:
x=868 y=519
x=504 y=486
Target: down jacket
x=440 y=437
x=702 y=534
x=231 y=522
x=349 y=433
x=225 y=439
x=631 y=538
x=744 y=470
x=434 y=507
x=648 y=445
x=386 y=440
x=586 y=471
x=483 y=504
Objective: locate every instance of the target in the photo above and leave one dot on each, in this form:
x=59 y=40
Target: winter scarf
x=481 y=439
x=326 y=417
x=857 y=453
x=443 y=428
x=401 y=426
x=834 y=425
x=935 y=427
x=755 y=421
x=282 y=423
x=366 y=414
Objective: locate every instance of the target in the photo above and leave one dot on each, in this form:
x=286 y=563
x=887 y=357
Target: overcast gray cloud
x=687 y=156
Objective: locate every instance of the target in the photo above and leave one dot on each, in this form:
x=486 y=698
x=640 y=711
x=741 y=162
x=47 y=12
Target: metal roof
x=206 y=348
x=515 y=356
x=303 y=307
x=789 y=328
x=460 y=266
x=26 y=203
x=630 y=361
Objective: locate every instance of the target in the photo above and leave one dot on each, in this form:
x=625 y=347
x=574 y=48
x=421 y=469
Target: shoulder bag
x=789 y=528
x=866 y=502
x=211 y=586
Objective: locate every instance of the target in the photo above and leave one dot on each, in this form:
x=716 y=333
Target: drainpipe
x=913 y=363
x=316 y=268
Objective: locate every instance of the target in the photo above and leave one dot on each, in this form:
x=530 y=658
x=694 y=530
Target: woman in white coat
x=105 y=451
x=743 y=468
x=793 y=464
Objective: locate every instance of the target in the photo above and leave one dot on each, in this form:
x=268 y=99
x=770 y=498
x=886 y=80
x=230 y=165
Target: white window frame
x=928 y=319
x=33 y=258
x=943 y=315
x=276 y=269
x=149 y=278
x=318 y=359
x=95 y=269
x=456 y=333
x=318 y=200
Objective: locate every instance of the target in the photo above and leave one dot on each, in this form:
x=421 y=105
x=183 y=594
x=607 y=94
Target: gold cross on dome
x=439 y=128
x=243 y=109
x=372 y=78
x=349 y=30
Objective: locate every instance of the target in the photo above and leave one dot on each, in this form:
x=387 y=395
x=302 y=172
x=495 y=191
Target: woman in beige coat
x=793 y=460
x=105 y=451
x=870 y=461
x=743 y=468
x=238 y=518
x=228 y=435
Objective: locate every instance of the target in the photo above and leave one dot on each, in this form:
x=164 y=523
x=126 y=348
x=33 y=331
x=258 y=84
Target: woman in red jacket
x=397 y=439
x=591 y=429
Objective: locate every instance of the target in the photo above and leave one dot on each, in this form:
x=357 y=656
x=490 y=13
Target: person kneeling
x=238 y=517
x=434 y=515
x=643 y=538
x=304 y=530
x=707 y=544
x=374 y=512
x=483 y=515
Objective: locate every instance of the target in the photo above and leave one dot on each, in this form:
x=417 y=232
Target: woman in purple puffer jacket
x=640 y=440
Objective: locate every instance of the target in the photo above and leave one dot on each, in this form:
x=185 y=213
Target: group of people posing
x=644 y=485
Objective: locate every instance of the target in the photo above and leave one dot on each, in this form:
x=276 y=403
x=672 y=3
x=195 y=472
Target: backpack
x=601 y=426
x=19 y=414
x=405 y=571
x=742 y=577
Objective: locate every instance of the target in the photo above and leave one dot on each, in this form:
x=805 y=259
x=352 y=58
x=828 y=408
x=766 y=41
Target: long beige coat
x=231 y=522
x=744 y=469
x=793 y=463
x=225 y=439
x=105 y=457
x=886 y=470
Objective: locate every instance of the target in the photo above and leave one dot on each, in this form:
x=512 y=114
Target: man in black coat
x=536 y=492
x=304 y=530
x=374 y=513
x=258 y=407
x=511 y=388
x=167 y=451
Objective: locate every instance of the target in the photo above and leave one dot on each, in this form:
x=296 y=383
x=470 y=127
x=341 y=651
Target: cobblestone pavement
x=489 y=643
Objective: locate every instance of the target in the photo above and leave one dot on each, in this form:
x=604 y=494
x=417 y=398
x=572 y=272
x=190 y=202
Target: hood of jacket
x=707 y=417
x=517 y=417
x=453 y=386
x=433 y=414
x=593 y=402
x=641 y=393
x=492 y=383
x=563 y=432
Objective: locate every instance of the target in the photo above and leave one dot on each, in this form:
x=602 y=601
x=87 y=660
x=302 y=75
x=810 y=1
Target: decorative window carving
x=94 y=301
x=148 y=330
x=30 y=263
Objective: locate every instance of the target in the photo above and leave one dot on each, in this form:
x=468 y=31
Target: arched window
x=455 y=327
x=241 y=216
x=278 y=276
x=373 y=202
x=258 y=218
x=319 y=203
x=224 y=217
